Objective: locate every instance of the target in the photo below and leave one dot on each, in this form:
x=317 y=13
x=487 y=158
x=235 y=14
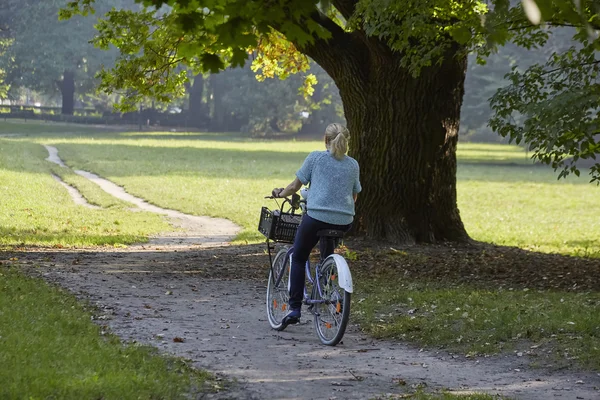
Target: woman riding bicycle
x=334 y=184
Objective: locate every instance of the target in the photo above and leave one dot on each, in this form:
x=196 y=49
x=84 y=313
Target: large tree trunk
x=404 y=132
x=67 y=90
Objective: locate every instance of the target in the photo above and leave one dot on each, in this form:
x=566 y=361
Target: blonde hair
x=336 y=140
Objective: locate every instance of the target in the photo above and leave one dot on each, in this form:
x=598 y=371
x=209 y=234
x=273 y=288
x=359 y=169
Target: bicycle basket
x=278 y=227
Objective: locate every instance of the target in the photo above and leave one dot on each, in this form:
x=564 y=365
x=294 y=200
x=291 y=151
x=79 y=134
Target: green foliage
x=423 y=32
x=526 y=110
x=270 y=105
x=4 y=43
x=552 y=106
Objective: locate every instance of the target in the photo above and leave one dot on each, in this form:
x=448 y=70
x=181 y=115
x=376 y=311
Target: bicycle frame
x=312 y=279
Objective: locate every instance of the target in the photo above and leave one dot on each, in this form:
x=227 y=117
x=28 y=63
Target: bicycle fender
x=345 y=277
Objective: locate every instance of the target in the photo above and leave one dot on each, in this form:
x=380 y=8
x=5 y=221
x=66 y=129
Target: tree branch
x=345 y=7
x=334 y=52
x=327 y=23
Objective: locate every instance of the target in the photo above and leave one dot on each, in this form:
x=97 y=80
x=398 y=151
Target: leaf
x=462 y=34
x=211 y=63
x=238 y=58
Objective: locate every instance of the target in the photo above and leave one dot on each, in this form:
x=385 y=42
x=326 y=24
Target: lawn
x=503 y=198
x=36 y=210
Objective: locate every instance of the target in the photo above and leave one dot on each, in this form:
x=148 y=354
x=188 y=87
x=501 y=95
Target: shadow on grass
x=125 y=160
x=480 y=265
x=18 y=238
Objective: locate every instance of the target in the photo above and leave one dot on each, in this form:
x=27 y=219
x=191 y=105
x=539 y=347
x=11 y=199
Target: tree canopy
x=552 y=106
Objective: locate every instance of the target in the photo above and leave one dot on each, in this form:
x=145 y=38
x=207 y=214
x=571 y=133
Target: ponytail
x=336 y=136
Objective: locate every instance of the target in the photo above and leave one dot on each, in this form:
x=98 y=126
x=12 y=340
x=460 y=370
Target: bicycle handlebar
x=294 y=202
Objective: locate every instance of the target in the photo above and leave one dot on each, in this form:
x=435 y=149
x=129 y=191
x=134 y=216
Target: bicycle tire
x=331 y=318
x=277 y=292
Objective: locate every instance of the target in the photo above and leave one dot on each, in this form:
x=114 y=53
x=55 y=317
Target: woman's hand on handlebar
x=276 y=192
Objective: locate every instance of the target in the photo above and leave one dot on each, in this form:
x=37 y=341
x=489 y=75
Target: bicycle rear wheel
x=277 y=289
x=332 y=315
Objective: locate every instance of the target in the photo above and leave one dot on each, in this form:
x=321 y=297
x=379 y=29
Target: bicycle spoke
x=333 y=312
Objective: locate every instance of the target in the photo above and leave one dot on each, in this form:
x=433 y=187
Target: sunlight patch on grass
x=546 y=217
x=492 y=154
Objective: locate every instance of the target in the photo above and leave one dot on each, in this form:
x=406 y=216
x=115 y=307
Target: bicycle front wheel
x=332 y=312
x=277 y=289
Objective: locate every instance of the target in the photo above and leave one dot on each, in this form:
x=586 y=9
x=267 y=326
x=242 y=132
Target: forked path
x=206 y=303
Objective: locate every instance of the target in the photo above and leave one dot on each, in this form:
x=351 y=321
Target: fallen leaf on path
x=177 y=339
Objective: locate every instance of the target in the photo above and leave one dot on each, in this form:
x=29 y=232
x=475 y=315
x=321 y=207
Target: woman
x=334 y=184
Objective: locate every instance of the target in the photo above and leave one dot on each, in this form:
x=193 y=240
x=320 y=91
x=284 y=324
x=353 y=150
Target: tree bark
x=67 y=90
x=404 y=132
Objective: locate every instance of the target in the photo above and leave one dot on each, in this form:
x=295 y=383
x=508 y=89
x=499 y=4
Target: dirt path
x=211 y=298
x=205 y=302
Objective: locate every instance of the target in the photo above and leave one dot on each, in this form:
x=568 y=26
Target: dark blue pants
x=306 y=239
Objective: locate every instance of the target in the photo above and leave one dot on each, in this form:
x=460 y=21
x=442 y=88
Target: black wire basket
x=278 y=226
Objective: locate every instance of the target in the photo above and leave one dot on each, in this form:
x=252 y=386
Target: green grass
x=503 y=198
x=476 y=321
x=56 y=352
x=36 y=210
x=23 y=127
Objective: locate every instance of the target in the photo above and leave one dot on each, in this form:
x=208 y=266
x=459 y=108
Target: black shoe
x=292 y=318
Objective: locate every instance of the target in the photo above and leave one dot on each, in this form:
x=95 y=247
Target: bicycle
x=330 y=286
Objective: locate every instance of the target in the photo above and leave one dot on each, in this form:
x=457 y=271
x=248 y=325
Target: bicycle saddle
x=333 y=233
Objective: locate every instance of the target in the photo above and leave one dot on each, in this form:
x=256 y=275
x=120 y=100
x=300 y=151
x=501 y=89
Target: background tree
x=49 y=55
x=324 y=106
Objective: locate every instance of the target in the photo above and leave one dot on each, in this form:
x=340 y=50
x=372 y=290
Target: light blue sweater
x=332 y=185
